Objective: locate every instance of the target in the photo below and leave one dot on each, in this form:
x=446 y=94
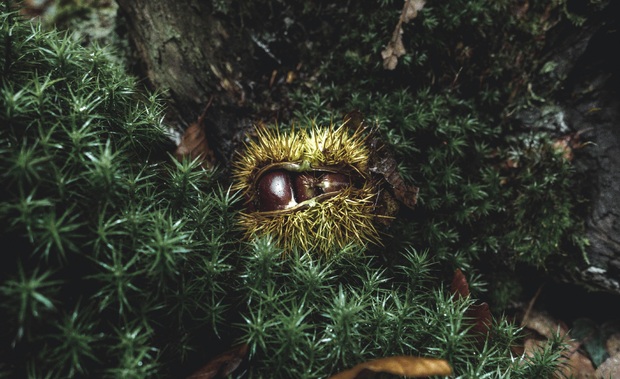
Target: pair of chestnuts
x=282 y=189
x=315 y=188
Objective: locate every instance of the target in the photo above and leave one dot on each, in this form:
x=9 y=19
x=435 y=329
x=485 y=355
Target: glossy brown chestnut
x=305 y=187
x=275 y=191
x=332 y=182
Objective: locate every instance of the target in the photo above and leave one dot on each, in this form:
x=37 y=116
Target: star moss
x=118 y=261
x=104 y=235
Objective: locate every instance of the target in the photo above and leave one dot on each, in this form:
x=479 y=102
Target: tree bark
x=184 y=50
x=584 y=83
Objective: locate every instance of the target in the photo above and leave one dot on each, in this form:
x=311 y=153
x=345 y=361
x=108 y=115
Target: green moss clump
x=444 y=111
x=103 y=266
x=119 y=261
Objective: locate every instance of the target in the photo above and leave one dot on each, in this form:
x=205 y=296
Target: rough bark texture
x=594 y=107
x=583 y=79
x=185 y=50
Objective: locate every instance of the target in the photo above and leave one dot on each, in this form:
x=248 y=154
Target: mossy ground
x=122 y=262
x=491 y=190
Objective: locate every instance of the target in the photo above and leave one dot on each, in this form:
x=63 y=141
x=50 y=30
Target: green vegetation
x=119 y=261
x=487 y=187
x=114 y=256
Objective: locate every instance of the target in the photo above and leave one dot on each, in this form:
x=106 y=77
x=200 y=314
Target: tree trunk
x=584 y=82
x=184 y=50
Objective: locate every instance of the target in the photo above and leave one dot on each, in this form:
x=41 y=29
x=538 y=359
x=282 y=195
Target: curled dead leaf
x=389 y=61
x=407 y=366
x=539 y=328
x=392 y=52
x=194 y=144
x=383 y=163
x=610 y=368
x=222 y=365
x=395 y=48
x=480 y=314
x=459 y=284
x=411 y=9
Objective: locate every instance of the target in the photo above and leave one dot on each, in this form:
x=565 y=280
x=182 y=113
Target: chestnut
x=332 y=182
x=313 y=188
x=305 y=187
x=275 y=191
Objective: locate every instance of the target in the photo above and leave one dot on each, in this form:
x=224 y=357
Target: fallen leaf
x=194 y=144
x=577 y=366
x=383 y=163
x=407 y=366
x=290 y=77
x=411 y=9
x=393 y=51
x=390 y=62
x=395 y=47
x=222 y=365
x=574 y=363
x=592 y=338
x=613 y=343
x=479 y=313
x=482 y=316
x=459 y=284
x=544 y=325
x=610 y=368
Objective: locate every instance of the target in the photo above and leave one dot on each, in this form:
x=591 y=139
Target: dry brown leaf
x=459 y=284
x=383 y=163
x=483 y=318
x=576 y=366
x=390 y=62
x=411 y=367
x=391 y=53
x=222 y=365
x=544 y=325
x=613 y=344
x=610 y=368
x=194 y=144
x=480 y=313
x=574 y=363
x=411 y=9
x=395 y=48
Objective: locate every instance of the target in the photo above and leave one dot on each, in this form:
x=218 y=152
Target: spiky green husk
x=344 y=219
x=323 y=226
x=314 y=146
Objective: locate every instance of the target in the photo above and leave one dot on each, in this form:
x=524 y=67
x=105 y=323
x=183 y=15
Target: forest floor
x=589 y=321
